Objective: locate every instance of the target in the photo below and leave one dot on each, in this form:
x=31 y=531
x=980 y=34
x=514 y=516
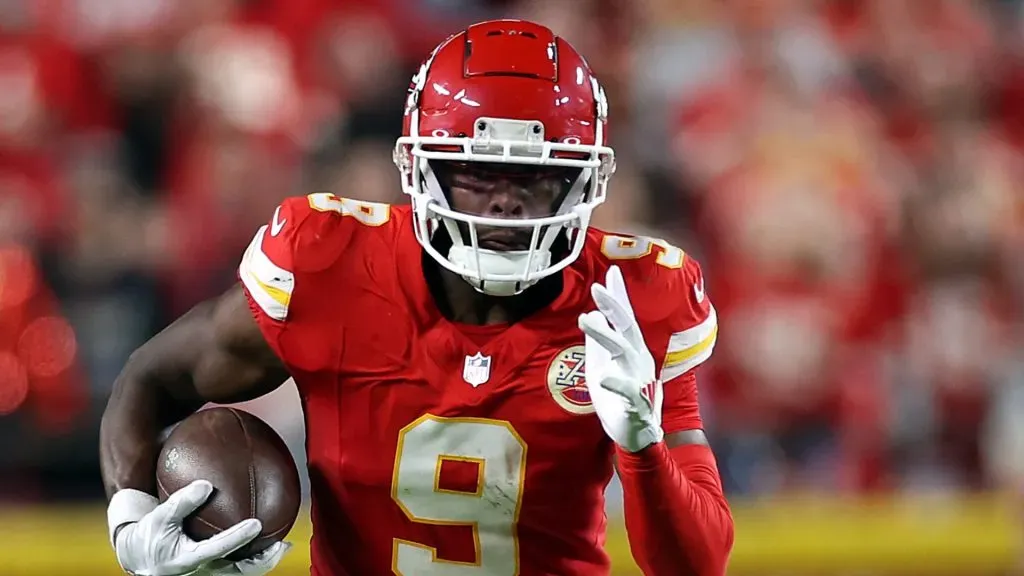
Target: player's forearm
x=677 y=517
x=151 y=393
x=129 y=431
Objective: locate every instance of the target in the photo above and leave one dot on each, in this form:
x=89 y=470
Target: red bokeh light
x=19 y=278
x=13 y=383
x=47 y=347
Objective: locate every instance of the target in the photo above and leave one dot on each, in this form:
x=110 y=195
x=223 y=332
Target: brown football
x=252 y=472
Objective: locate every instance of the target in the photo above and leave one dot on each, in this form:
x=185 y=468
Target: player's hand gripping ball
x=148 y=538
x=624 y=388
x=229 y=493
x=253 y=476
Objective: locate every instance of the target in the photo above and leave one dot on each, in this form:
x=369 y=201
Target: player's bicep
x=212 y=353
x=236 y=364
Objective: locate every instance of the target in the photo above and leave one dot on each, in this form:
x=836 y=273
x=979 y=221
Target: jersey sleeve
x=267 y=285
x=694 y=325
x=692 y=329
x=280 y=272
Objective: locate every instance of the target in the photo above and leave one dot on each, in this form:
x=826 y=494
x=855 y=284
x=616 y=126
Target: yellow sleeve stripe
x=680 y=356
x=269 y=285
x=689 y=348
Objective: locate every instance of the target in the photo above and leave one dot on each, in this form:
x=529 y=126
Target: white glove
x=619 y=369
x=258 y=565
x=149 y=540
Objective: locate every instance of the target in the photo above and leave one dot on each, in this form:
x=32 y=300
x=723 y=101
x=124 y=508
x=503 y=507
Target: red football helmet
x=505 y=91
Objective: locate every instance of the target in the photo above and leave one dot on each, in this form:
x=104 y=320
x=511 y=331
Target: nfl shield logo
x=477 y=369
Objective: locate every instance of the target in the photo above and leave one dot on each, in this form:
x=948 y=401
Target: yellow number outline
x=372 y=214
x=616 y=247
x=440 y=458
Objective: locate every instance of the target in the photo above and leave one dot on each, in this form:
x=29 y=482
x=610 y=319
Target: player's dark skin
x=216 y=352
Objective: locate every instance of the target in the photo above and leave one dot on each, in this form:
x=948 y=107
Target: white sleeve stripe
x=686 y=354
x=270 y=285
x=688 y=348
x=670 y=372
x=682 y=345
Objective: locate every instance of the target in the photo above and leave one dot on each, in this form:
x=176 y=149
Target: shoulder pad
x=666 y=288
x=653 y=269
x=306 y=234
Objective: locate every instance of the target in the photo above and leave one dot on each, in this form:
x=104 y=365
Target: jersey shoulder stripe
x=688 y=348
x=270 y=285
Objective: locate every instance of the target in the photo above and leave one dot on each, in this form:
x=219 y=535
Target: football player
x=471 y=366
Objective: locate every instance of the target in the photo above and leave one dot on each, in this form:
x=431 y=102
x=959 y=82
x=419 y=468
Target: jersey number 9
x=636 y=247
x=492 y=510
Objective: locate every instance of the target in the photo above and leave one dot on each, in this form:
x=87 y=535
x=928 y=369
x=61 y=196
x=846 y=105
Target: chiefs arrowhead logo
x=567 y=381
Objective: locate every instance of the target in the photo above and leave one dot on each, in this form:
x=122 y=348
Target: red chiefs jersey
x=447 y=449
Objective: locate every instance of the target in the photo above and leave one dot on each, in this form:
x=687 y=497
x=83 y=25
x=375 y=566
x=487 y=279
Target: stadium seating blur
x=849 y=172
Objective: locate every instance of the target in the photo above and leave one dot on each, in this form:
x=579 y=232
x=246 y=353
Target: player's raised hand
x=149 y=540
x=620 y=372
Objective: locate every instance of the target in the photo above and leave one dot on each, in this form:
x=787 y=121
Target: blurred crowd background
x=849 y=173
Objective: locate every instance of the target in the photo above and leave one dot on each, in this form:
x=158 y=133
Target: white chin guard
x=481 y=263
